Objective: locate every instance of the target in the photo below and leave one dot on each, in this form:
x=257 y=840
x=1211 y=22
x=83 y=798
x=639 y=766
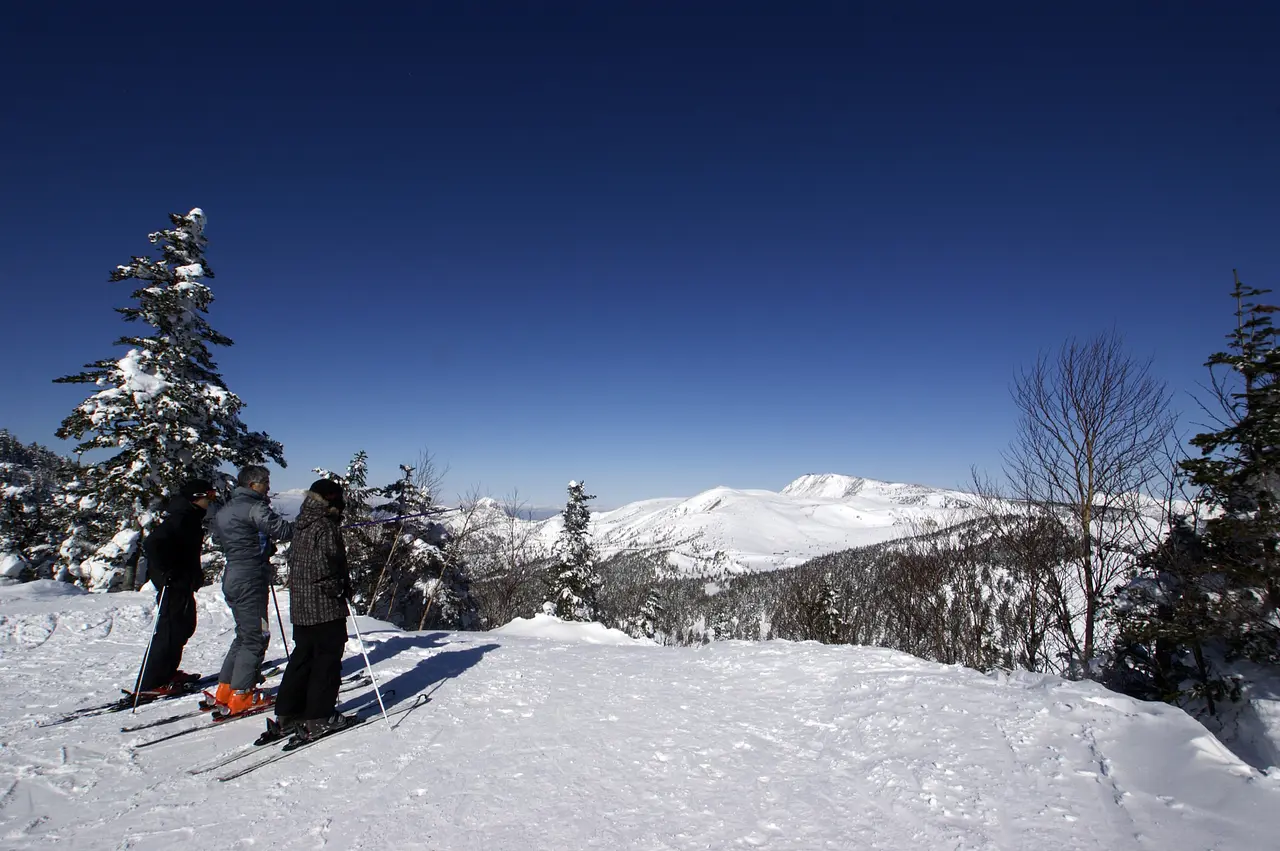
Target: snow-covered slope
x=762 y=530
x=546 y=735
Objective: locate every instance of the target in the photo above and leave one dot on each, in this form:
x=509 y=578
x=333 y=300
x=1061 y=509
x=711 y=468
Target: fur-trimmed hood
x=315 y=507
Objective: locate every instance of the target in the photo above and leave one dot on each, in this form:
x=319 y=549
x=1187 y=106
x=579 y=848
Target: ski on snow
x=367 y=713
x=258 y=745
x=126 y=703
x=203 y=710
x=348 y=685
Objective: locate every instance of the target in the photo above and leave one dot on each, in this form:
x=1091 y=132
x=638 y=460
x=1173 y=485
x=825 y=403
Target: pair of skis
x=127 y=702
x=203 y=710
x=351 y=683
x=365 y=713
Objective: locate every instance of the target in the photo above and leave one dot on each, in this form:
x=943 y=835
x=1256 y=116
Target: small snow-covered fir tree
x=648 y=621
x=573 y=579
x=357 y=495
x=431 y=560
x=409 y=494
x=84 y=526
x=362 y=543
x=407 y=570
x=162 y=409
x=832 y=620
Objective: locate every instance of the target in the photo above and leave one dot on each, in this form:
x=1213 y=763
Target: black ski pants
x=309 y=690
x=174 y=627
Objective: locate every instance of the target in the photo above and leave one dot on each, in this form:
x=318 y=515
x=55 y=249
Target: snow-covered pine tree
x=364 y=543
x=30 y=478
x=83 y=524
x=424 y=582
x=163 y=409
x=357 y=495
x=573 y=580
x=832 y=611
x=406 y=496
x=648 y=621
x=1168 y=629
x=404 y=571
x=450 y=603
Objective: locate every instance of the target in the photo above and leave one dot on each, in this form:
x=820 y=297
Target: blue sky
x=656 y=246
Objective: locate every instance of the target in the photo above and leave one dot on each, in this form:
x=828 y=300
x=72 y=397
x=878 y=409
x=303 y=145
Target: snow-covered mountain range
x=758 y=529
x=765 y=530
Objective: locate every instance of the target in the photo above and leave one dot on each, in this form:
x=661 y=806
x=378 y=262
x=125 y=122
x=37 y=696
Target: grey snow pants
x=247 y=593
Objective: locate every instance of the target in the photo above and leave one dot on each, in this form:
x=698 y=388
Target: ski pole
x=389 y=519
x=368 y=666
x=373 y=601
x=444 y=564
x=155 y=625
x=280 y=623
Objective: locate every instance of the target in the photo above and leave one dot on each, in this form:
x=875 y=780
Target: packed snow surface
x=538 y=736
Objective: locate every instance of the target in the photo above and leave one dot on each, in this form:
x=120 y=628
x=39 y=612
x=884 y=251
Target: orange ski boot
x=245 y=702
x=218 y=698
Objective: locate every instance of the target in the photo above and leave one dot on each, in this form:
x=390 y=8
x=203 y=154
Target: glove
x=333 y=588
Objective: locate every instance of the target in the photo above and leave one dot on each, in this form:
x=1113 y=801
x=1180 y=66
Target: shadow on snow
x=431 y=671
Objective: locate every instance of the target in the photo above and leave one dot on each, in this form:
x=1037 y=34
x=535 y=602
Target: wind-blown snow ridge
x=549 y=626
x=557 y=743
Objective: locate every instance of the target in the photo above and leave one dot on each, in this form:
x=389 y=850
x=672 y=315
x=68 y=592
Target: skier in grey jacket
x=246 y=528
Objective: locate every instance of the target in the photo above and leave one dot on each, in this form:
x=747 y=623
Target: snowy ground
x=570 y=738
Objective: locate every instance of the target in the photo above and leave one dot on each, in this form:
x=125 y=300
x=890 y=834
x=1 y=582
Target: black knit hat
x=327 y=488
x=196 y=488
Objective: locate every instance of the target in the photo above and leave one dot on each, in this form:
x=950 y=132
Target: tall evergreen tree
x=573 y=580
x=162 y=409
x=1239 y=472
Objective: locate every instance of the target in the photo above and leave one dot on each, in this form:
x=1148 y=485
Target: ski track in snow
x=541 y=743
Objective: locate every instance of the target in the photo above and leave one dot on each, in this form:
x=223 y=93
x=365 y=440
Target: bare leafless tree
x=1093 y=424
x=506 y=554
x=1030 y=546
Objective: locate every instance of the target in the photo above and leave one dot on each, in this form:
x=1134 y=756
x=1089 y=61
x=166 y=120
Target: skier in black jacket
x=173 y=565
x=319 y=587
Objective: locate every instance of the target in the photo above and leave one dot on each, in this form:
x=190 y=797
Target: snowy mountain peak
x=833 y=486
x=826 y=486
x=815 y=515
x=707 y=501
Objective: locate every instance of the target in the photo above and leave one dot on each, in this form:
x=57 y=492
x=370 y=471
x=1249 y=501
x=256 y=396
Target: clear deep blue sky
x=656 y=246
